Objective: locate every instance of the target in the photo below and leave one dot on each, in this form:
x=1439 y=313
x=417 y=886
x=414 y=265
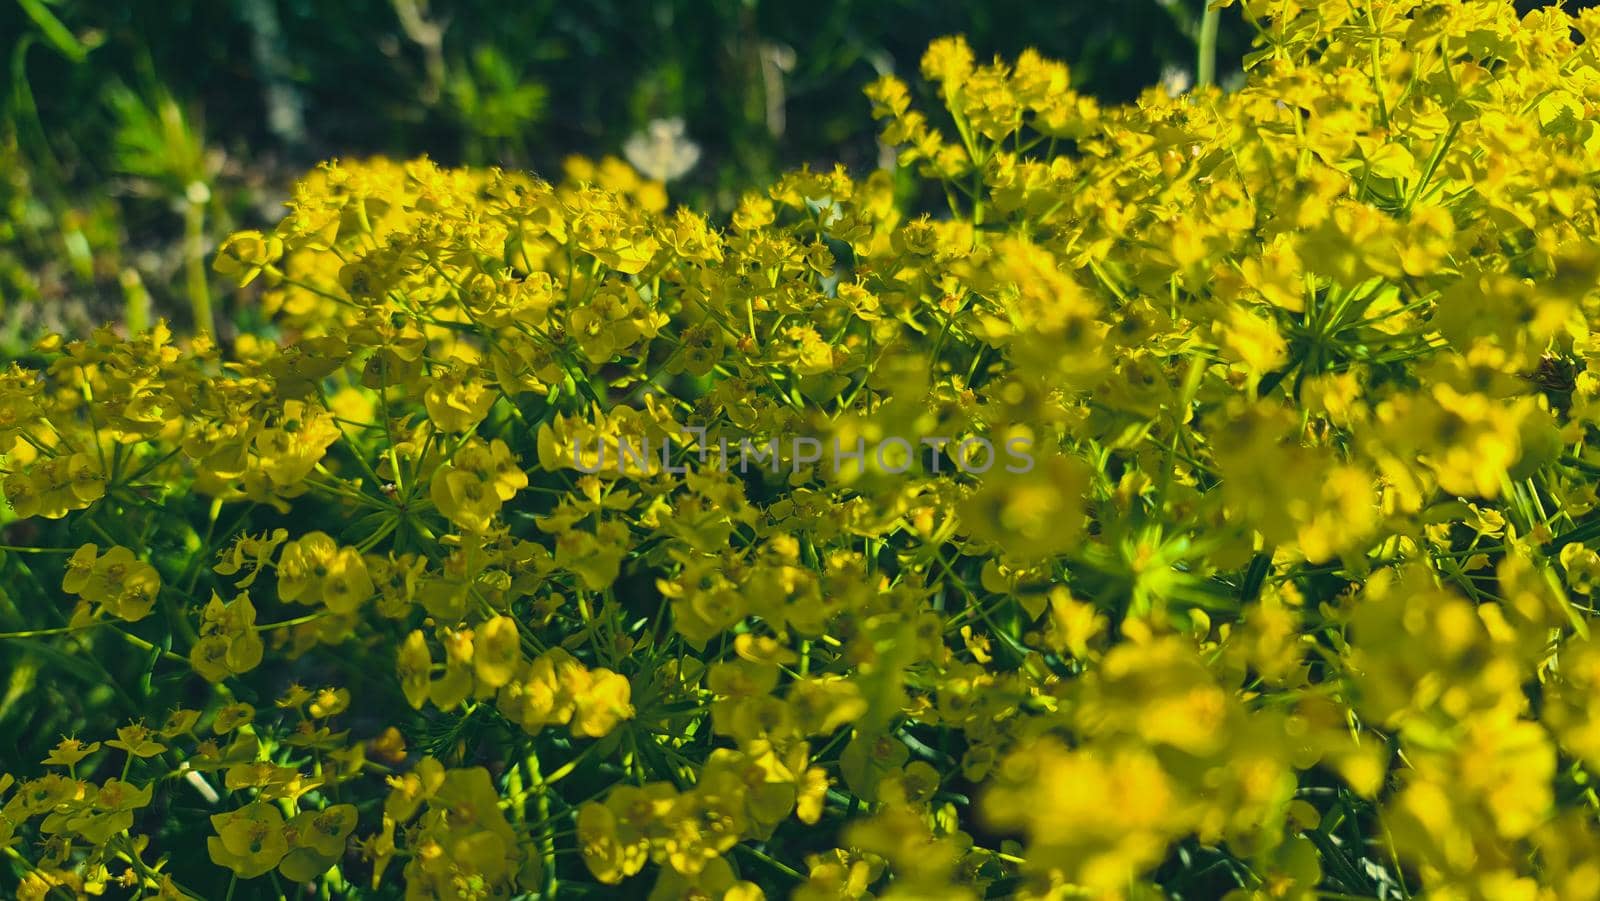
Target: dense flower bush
x=1292 y=597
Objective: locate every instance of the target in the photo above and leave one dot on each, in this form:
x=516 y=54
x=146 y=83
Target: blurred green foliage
x=132 y=132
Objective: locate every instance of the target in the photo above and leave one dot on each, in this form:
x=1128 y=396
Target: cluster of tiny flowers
x=1294 y=598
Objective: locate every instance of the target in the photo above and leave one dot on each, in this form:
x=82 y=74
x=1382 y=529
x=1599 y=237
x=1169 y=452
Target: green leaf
x=59 y=36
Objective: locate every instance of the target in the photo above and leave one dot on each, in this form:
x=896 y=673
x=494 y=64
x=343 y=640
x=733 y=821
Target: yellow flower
x=179 y=722
x=1102 y=818
x=497 y=651
x=948 y=61
x=1253 y=342
x=80 y=568
x=135 y=740
x=601 y=705
x=316 y=841
x=1030 y=514
x=249 y=841
x=465 y=499
x=313 y=568
x=245 y=254
x=455 y=401
x=125 y=586
x=604 y=852
x=229 y=644
x=69 y=752
x=232 y=717
x=415 y=668
x=291 y=450
x=329 y=702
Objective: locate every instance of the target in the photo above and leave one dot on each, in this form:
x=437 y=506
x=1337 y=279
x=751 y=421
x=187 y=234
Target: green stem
x=547 y=844
x=771 y=861
x=135 y=302
x=43 y=633
x=194 y=220
x=297 y=621
x=1206 y=65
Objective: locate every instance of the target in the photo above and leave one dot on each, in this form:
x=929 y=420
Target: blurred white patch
x=662 y=151
x=201 y=785
x=777 y=60
x=1176 y=79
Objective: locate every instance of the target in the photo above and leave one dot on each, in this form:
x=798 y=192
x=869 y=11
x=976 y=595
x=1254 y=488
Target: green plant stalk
x=194 y=222
x=135 y=302
x=1206 y=65
x=547 y=843
x=59 y=35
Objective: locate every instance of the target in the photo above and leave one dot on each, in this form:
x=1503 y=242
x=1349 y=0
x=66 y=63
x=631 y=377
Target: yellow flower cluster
x=124 y=586
x=1291 y=600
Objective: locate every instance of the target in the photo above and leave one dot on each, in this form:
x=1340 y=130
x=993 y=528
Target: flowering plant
x=1294 y=601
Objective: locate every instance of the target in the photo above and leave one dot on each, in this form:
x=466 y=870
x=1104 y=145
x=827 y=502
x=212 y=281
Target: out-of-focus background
x=135 y=133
